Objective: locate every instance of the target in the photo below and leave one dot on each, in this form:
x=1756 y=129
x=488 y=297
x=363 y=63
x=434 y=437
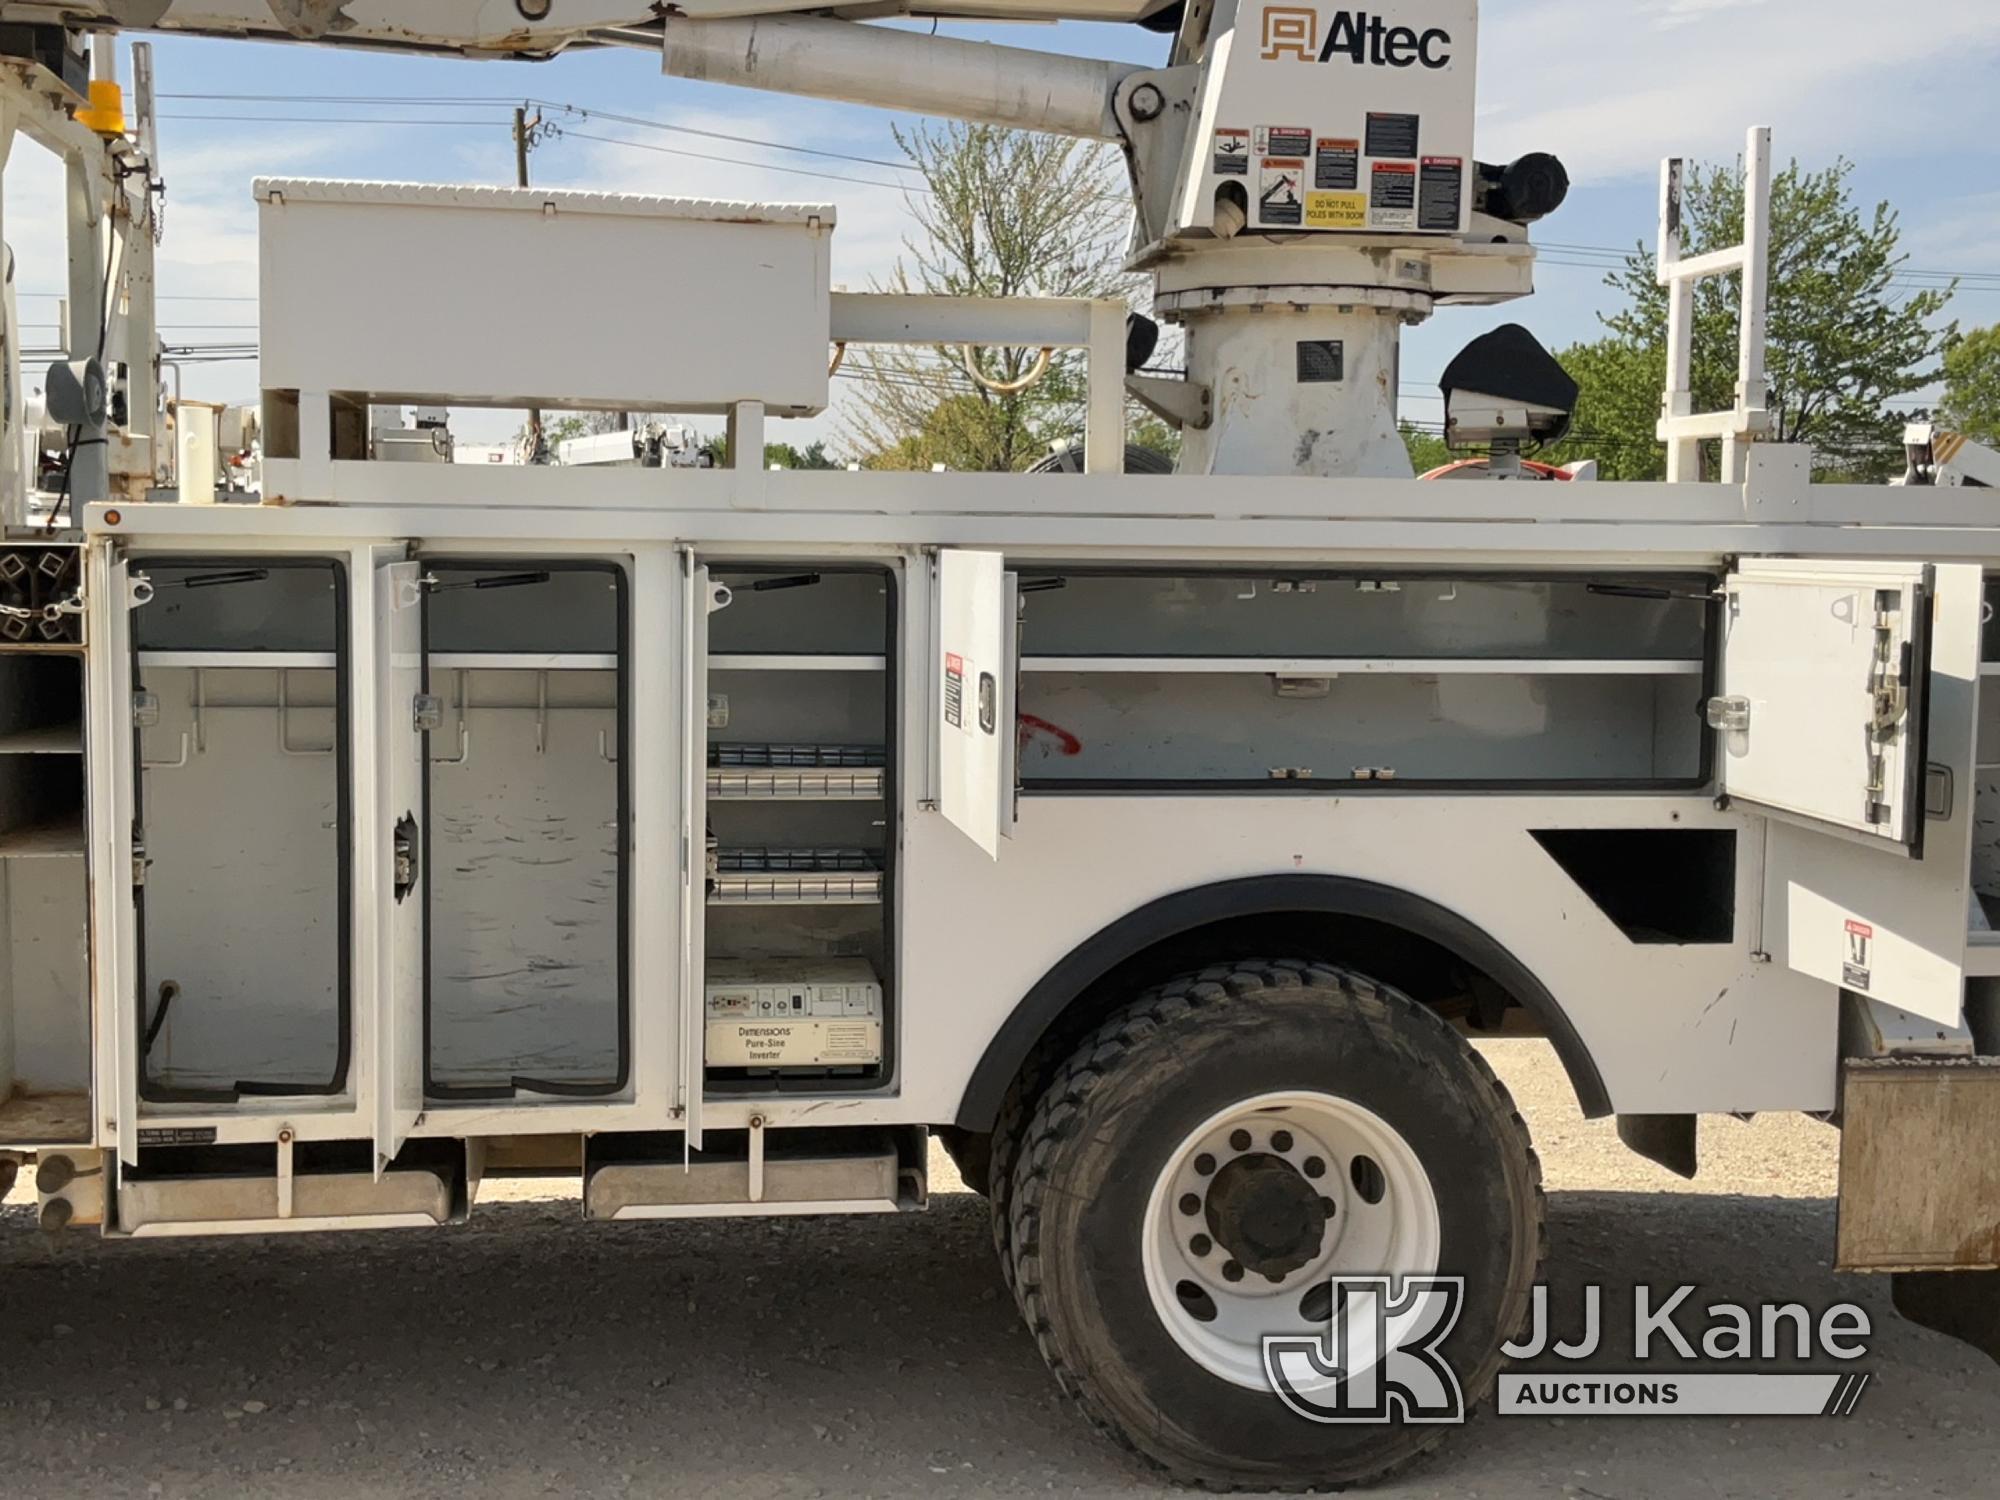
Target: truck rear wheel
x=1204 y=1163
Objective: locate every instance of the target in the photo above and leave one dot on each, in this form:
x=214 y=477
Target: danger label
x=1279 y=197
x=1232 y=151
x=1284 y=140
x=954 y=690
x=1857 y=968
x=1336 y=165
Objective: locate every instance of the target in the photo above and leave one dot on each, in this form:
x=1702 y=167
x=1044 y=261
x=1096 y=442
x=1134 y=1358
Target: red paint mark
x=1065 y=742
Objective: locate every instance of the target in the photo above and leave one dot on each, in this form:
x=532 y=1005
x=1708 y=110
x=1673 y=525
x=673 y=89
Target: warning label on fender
x=1856 y=967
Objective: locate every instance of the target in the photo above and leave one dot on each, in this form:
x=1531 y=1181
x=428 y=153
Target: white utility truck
x=1156 y=841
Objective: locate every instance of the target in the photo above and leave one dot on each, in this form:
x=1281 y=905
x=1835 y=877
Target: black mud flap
x=1962 y=1304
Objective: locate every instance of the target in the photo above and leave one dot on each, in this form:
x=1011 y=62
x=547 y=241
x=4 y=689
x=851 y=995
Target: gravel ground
x=530 y=1354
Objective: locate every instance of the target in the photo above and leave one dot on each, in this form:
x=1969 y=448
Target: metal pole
x=521 y=180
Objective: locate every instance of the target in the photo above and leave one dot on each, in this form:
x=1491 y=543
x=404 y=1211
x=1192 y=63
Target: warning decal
x=1284 y=140
x=1336 y=211
x=1392 y=194
x=1279 y=199
x=1232 y=151
x=1336 y=165
x=1440 y=192
x=1392 y=135
x=954 y=690
x=1855 y=966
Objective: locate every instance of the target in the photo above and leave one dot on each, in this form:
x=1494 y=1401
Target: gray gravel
x=530 y=1354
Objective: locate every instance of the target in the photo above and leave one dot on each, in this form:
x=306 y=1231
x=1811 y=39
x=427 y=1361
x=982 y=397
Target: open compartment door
x=110 y=820
x=1847 y=710
x=972 y=663
x=405 y=715
x=1821 y=712
x=700 y=597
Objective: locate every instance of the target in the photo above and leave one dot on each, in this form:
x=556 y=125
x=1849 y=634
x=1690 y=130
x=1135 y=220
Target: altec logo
x=1367 y=41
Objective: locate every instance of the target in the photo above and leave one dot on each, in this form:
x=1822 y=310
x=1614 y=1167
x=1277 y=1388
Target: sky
x=1905 y=92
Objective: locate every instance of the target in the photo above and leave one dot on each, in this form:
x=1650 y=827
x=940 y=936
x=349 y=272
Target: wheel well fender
x=1131 y=952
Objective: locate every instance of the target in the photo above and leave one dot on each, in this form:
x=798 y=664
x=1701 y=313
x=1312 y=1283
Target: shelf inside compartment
x=45 y=739
x=798 y=661
x=32 y=1119
x=268 y=661
x=50 y=838
x=1407 y=666
x=796 y=773
x=799 y=877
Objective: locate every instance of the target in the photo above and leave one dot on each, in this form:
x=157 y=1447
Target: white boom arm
x=827 y=59
x=509 y=28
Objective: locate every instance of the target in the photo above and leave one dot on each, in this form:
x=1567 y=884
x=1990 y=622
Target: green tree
x=1427 y=449
x=1971 y=403
x=812 y=456
x=776 y=455
x=1144 y=430
x=1001 y=213
x=1842 y=343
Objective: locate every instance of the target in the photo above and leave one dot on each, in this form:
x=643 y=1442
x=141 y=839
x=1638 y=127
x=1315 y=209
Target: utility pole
x=521 y=180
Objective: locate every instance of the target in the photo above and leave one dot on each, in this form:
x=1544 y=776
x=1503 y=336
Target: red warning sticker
x=954 y=690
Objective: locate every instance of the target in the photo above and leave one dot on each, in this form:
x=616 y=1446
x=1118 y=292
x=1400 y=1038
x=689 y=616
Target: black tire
x=1017 y=1106
x=1123 y=1102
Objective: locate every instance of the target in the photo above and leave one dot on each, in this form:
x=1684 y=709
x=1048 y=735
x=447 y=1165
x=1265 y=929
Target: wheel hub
x=1268 y=1217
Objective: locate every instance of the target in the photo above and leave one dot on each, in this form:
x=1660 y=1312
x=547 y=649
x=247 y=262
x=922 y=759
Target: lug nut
x=1190 y=1204
x=1281 y=1140
x=1201 y=1244
x=1239 y=1140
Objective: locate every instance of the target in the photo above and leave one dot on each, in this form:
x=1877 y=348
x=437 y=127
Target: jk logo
x=1378 y=1360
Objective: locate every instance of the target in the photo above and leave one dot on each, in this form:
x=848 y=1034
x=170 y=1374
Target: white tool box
x=401 y=290
x=793 y=1013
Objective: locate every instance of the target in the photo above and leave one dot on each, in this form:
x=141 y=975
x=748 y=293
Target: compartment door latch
x=406 y=856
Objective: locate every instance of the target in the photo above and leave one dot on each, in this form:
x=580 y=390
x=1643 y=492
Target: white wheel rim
x=1383 y=1222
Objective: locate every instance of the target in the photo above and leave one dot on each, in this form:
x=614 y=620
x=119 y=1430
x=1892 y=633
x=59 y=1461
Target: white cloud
x=1611 y=89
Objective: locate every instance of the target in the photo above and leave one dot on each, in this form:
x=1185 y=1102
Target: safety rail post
x=1682 y=428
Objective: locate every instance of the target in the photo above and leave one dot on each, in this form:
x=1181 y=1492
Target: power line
x=448 y=101
x=718 y=135
x=737 y=161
